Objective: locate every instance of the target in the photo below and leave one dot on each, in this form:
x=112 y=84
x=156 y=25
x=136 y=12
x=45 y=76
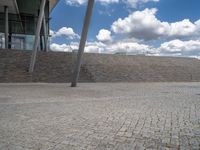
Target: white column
x=37 y=36
x=82 y=43
x=45 y=35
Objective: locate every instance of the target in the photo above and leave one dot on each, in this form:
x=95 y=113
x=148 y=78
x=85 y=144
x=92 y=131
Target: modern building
x=24 y=24
x=18 y=23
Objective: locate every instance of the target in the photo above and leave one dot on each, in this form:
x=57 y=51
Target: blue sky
x=150 y=27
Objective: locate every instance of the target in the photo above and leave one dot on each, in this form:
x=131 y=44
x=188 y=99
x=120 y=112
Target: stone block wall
x=53 y=67
x=56 y=67
x=116 y=68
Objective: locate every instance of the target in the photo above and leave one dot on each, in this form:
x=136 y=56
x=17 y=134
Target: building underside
x=18 y=23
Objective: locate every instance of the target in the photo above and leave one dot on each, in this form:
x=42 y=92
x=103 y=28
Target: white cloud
x=82 y=2
x=176 y=47
x=75 y=2
x=94 y=47
x=63 y=47
x=144 y=25
x=183 y=48
x=91 y=47
x=104 y=35
x=66 y=32
x=118 y=46
x=129 y=3
x=135 y=3
x=108 y=1
x=198 y=23
x=52 y=33
x=124 y=46
x=182 y=28
x=129 y=48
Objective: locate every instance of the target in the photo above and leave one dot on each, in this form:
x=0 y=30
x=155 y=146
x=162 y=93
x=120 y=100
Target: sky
x=147 y=27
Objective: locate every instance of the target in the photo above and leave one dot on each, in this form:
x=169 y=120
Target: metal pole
x=37 y=36
x=6 y=26
x=82 y=43
x=45 y=34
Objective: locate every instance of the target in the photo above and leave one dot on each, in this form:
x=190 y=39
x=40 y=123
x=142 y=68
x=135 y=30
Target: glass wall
x=2 y=41
x=18 y=41
x=22 y=42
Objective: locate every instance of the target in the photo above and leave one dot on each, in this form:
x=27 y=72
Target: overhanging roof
x=23 y=14
x=24 y=6
x=12 y=5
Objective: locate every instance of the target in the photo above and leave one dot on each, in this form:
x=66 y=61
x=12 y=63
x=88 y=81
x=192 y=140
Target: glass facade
x=18 y=41
x=22 y=26
x=2 y=41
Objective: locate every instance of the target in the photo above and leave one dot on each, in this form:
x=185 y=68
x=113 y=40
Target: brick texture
x=56 y=67
x=50 y=67
x=114 y=68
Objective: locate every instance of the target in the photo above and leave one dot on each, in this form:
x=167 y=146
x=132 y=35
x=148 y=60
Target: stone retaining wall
x=57 y=67
x=50 y=67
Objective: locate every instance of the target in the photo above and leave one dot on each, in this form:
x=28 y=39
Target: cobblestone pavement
x=122 y=116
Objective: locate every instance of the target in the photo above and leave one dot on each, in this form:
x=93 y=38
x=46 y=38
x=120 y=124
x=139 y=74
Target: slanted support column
x=45 y=35
x=6 y=26
x=82 y=43
x=37 y=36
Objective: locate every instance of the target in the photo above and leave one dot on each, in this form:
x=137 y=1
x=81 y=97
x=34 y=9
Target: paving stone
x=100 y=116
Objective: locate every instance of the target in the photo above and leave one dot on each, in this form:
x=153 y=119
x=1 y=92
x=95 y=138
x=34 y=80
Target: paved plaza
x=121 y=116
